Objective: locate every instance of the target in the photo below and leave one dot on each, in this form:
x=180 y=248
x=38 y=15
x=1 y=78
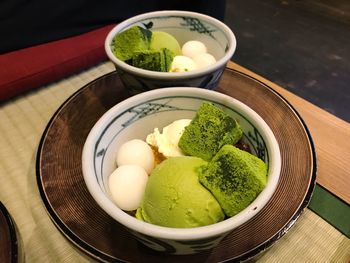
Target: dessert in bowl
x=135 y=119
x=167 y=26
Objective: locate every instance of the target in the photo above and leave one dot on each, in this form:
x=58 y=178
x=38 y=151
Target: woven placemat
x=22 y=122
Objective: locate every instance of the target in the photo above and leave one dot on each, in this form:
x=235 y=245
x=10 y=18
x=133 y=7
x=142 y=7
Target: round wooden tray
x=79 y=218
x=10 y=241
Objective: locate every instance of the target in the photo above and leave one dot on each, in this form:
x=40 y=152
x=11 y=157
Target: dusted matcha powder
x=134 y=39
x=235 y=178
x=210 y=129
x=145 y=49
x=153 y=60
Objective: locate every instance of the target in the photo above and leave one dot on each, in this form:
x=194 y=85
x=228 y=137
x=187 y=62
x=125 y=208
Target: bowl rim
x=170 y=75
x=170 y=233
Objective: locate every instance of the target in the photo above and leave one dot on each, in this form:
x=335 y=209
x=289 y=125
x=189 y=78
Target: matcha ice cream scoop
x=160 y=40
x=175 y=198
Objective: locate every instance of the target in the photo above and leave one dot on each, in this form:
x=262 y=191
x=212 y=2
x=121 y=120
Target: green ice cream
x=210 y=129
x=160 y=40
x=235 y=178
x=175 y=198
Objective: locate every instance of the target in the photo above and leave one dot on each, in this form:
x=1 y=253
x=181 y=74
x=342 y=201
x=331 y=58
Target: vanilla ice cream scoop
x=136 y=152
x=167 y=141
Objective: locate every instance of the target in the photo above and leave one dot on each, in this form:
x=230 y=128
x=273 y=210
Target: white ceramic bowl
x=136 y=117
x=184 y=26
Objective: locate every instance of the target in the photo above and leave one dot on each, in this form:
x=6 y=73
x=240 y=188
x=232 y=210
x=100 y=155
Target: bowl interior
x=140 y=120
x=140 y=114
x=184 y=26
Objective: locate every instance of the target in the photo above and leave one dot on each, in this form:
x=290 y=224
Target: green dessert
x=210 y=129
x=160 y=40
x=130 y=41
x=153 y=60
x=174 y=196
x=145 y=49
x=235 y=178
x=219 y=180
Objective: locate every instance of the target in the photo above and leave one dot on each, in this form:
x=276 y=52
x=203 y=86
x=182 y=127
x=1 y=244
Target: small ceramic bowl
x=135 y=118
x=184 y=26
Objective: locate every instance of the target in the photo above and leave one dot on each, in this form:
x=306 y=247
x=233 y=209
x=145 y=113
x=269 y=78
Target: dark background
x=302 y=45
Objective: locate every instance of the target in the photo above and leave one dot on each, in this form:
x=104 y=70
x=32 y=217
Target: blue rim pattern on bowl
x=194 y=24
x=153 y=106
x=130 y=125
x=184 y=26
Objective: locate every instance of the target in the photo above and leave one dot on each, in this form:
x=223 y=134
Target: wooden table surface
x=331 y=137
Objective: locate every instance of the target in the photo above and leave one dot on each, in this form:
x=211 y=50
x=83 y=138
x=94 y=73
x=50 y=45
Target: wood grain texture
x=331 y=136
x=10 y=240
x=73 y=210
x=5 y=239
x=23 y=120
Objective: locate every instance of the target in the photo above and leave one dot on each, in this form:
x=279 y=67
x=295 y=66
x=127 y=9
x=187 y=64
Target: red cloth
x=33 y=67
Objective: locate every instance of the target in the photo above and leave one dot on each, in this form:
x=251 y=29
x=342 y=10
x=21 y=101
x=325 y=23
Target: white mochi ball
x=127 y=186
x=136 y=152
x=182 y=64
x=204 y=60
x=193 y=48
